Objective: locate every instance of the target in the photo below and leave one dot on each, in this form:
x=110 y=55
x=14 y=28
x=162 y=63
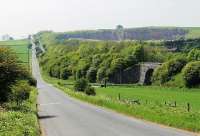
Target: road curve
x=61 y=115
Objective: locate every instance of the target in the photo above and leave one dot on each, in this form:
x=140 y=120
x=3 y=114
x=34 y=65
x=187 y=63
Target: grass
x=18 y=46
x=155 y=110
x=155 y=95
x=20 y=120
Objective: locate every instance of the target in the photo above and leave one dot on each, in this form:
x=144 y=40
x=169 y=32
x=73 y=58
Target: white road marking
x=46 y=104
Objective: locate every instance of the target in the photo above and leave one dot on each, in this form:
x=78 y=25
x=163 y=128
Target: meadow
x=18 y=46
x=155 y=95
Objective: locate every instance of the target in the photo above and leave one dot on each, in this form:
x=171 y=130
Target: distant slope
x=145 y=33
x=193 y=32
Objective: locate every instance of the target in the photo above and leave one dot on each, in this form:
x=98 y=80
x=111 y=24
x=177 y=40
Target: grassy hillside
x=145 y=33
x=194 y=32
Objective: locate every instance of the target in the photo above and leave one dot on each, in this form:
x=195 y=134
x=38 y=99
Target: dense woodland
x=98 y=61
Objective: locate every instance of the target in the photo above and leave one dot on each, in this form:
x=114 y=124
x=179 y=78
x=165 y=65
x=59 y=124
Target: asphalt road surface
x=61 y=115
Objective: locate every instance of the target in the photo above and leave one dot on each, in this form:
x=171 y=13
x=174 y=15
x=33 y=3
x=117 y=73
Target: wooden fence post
x=188 y=107
x=119 y=96
x=175 y=104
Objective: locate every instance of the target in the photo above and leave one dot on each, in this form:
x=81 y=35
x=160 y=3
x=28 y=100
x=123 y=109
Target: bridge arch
x=146 y=72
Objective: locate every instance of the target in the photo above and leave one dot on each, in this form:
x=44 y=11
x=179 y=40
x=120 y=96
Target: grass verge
x=20 y=120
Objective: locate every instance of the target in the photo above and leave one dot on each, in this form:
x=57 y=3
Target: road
x=61 y=115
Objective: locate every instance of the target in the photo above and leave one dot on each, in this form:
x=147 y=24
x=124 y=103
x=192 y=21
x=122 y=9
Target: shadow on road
x=46 y=117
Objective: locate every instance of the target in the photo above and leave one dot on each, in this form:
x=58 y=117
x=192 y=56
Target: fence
x=173 y=104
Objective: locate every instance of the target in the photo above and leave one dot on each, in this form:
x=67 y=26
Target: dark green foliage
x=65 y=73
x=10 y=72
x=90 y=91
x=20 y=92
x=165 y=72
x=32 y=81
x=91 y=74
x=80 y=85
x=191 y=74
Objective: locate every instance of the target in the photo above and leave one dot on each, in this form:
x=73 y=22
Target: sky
x=22 y=17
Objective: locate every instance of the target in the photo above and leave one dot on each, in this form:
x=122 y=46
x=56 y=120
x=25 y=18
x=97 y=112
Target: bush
x=32 y=81
x=191 y=74
x=165 y=72
x=90 y=91
x=10 y=71
x=80 y=85
x=20 y=92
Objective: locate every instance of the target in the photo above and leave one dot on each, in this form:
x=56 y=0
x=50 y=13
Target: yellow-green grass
x=18 y=46
x=20 y=120
x=155 y=110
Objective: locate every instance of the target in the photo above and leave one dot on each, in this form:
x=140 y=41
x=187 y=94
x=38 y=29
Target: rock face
x=140 y=73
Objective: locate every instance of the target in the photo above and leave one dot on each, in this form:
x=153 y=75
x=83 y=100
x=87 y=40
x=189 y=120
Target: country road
x=61 y=115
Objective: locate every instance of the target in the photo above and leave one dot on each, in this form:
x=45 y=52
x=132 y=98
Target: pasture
x=155 y=95
x=18 y=46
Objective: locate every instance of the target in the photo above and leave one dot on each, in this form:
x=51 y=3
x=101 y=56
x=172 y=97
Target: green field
x=155 y=95
x=194 y=32
x=18 y=46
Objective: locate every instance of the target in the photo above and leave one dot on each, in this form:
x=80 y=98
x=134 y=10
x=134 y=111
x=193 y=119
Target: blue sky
x=22 y=17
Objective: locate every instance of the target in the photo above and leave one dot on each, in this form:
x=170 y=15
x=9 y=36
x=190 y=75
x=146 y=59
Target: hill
x=145 y=33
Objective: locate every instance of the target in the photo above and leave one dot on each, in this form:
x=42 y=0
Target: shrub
x=165 y=72
x=10 y=71
x=80 y=85
x=191 y=74
x=20 y=92
x=90 y=91
x=32 y=81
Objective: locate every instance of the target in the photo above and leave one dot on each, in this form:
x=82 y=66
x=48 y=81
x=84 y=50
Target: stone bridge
x=146 y=72
x=141 y=73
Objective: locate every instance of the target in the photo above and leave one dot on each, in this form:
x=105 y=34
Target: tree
x=165 y=72
x=191 y=74
x=10 y=72
x=91 y=74
x=80 y=85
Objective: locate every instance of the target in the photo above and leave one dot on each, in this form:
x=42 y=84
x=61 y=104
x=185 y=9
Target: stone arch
x=148 y=77
x=146 y=72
